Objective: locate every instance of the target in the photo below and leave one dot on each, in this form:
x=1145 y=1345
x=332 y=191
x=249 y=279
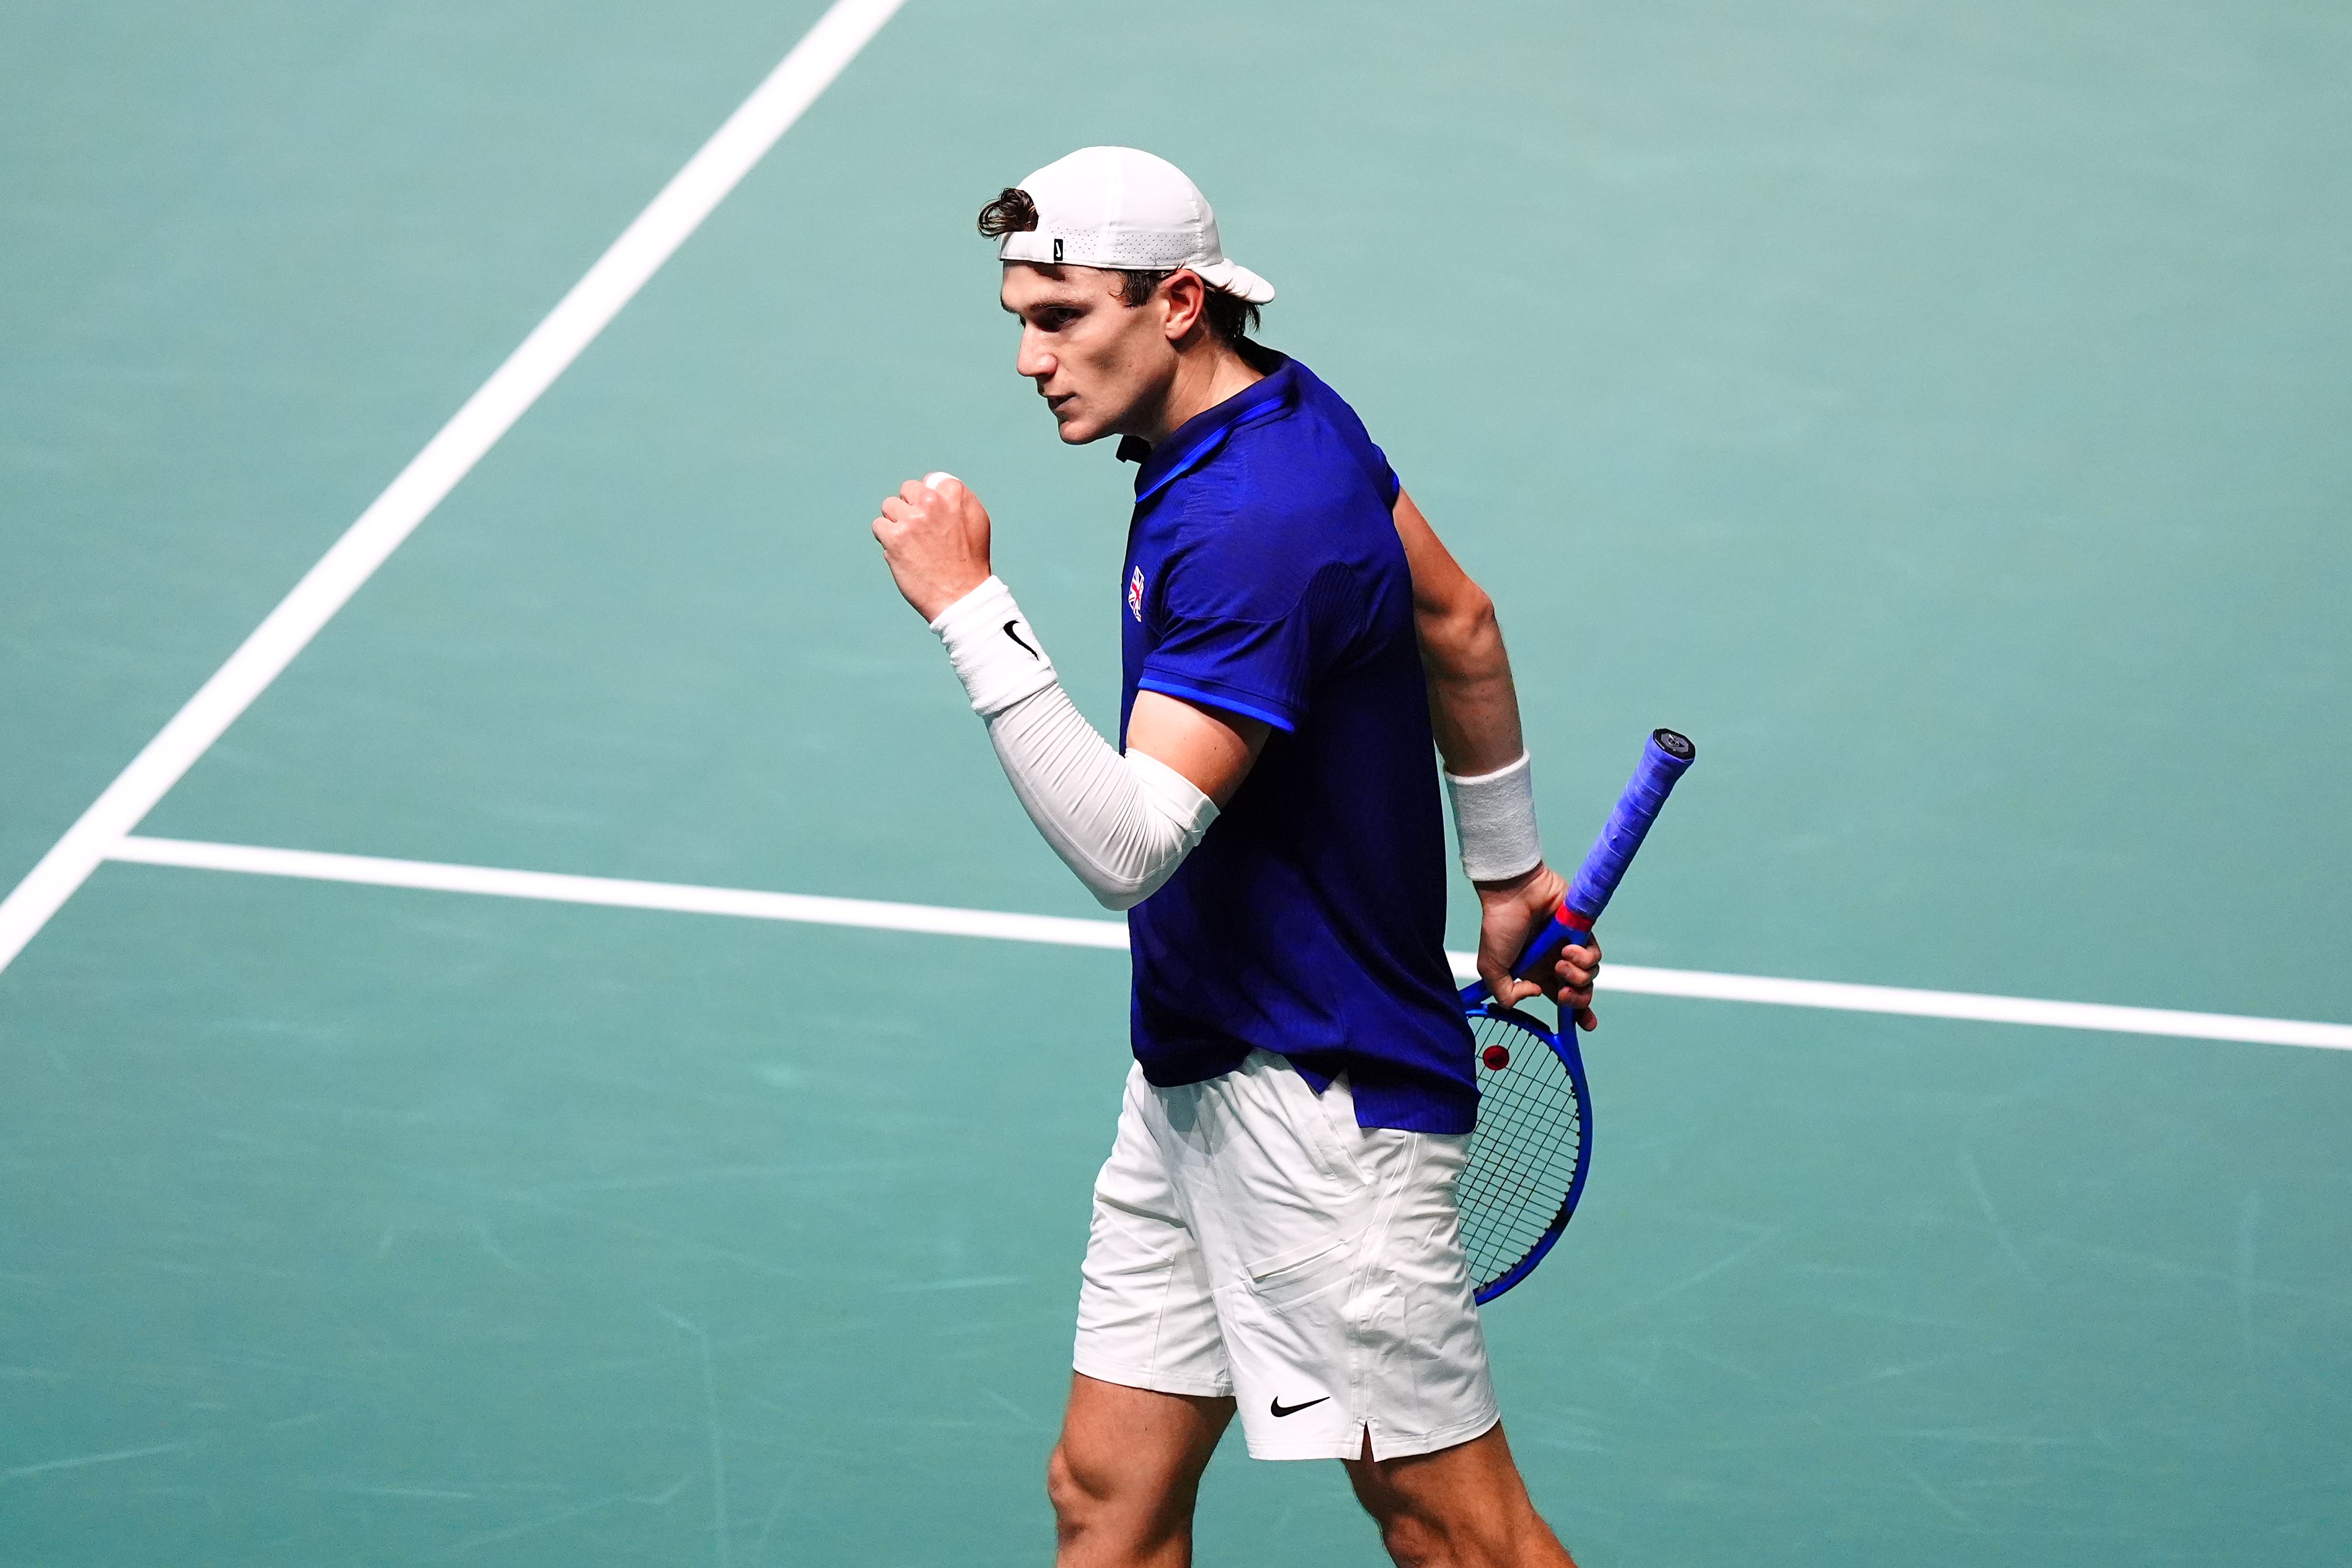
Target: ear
x=1187 y=301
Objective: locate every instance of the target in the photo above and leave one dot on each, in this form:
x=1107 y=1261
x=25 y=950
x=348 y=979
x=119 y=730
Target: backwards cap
x=1125 y=210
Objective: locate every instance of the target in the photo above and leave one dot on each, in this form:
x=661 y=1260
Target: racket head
x=1526 y=1161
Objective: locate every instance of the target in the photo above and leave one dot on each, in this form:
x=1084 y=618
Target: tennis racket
x=1534 y=1140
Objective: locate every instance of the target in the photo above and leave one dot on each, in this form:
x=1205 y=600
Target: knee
x=1411 y=1544
x=1413 y=1538
x=1076 y=1503
x=1415 y=1542
x=1455 y=1536
x=1112 y=1515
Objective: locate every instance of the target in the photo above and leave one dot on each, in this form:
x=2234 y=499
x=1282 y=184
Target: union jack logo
x=1135 y=595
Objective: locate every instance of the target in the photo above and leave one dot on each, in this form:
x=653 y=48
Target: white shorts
x=1250 y=1240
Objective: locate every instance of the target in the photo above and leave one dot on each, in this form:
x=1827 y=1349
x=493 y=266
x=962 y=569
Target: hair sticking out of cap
x=1011 y=213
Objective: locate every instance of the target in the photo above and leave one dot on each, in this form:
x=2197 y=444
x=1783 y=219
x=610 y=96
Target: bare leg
x=1464 y=1506
x=1124 y=1477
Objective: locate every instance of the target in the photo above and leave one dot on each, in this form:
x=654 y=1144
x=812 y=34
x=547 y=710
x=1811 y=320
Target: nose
x=1034 y=360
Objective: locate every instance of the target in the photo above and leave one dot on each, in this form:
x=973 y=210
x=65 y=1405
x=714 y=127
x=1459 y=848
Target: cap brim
x=1026 y=245
x=1236 y=279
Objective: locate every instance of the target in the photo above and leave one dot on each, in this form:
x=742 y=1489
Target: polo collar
x=1194 y=441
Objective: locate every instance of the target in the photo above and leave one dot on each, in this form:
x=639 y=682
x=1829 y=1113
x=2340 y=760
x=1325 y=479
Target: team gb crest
x=1135 y=595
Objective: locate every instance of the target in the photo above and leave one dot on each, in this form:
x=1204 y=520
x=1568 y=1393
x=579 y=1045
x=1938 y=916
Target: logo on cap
x=1058 y=250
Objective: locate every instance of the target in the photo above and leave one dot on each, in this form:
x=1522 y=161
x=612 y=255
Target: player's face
x=1101 y=364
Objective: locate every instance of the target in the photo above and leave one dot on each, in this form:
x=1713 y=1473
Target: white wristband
x=1494 y=818
x=996 y=656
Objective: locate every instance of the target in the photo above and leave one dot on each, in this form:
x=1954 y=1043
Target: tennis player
x=1274 y=1230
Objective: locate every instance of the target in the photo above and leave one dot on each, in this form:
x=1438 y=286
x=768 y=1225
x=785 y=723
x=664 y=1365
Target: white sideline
x=649 y=241
x=679 y=898
x=938 y=921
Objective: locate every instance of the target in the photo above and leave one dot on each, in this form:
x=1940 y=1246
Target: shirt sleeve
x=1383 y=476
x=1248 y=621
x=1367 y=451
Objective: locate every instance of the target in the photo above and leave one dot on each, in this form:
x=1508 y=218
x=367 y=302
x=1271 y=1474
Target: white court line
x=938 y=921
x=679 y=898
x=433 y=473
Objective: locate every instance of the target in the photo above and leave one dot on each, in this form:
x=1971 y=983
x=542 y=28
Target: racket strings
x=1522 y=1159
x=1525 y=1177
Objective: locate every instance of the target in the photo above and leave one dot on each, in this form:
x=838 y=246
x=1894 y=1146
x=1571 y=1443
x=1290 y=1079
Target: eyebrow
x=1066 y=304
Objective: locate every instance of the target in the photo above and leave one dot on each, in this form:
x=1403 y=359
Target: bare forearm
x=1474 y=708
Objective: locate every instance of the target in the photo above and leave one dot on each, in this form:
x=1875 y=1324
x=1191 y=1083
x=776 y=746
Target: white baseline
x=690 y=197
x=939 y=921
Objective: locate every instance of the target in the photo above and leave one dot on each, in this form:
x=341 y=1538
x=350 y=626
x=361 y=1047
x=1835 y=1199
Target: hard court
x=1936 y=412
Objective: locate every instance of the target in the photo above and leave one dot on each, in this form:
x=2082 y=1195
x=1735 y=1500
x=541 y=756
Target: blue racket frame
x=1563 y=1045
x=1663 y=763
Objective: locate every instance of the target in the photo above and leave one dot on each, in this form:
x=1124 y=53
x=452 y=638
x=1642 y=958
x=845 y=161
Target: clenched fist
x=934 y=536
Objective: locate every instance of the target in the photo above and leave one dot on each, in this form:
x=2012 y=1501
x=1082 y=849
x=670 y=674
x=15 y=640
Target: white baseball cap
x=1117 y=208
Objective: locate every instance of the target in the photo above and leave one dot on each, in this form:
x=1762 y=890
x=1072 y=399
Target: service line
x=941 y=920
x=690 y=197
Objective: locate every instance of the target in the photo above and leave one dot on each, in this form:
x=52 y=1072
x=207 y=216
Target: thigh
x=1128 y=1464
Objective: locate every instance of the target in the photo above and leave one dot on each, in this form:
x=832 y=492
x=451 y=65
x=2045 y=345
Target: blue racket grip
x=1662 y=762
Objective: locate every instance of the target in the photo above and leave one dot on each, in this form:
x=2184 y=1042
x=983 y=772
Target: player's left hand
x=1510 y=914
x=936 y=542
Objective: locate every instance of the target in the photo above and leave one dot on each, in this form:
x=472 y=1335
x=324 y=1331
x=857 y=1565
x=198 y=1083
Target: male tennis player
x=1274 y=1230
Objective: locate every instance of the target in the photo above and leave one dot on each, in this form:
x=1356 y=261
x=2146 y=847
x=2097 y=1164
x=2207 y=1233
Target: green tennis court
x=1938 y=413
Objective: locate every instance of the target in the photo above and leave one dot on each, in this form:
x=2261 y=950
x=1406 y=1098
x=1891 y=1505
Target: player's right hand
x=935 y=543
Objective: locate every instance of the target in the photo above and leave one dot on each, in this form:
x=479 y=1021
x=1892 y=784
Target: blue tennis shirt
x=1264 y=576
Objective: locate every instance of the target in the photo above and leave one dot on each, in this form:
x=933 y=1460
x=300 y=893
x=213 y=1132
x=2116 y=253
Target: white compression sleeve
x=1494 y=818
x=1122 y=822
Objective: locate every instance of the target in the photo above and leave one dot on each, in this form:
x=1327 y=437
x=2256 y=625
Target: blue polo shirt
x=1264 y=576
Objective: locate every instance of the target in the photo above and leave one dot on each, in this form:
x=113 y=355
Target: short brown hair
x=1231 y=317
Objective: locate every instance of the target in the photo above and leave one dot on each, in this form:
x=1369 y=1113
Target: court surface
x=1936 y=412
